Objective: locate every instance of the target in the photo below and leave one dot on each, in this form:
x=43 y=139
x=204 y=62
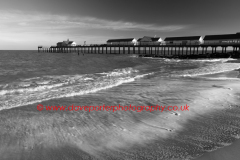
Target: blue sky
x=25 y=24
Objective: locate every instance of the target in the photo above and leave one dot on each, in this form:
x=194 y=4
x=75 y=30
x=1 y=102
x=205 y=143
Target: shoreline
x=227 y=152
x=224 y=153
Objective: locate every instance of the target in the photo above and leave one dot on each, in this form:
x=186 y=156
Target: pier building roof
x=223 y=36
x=155 y=39
x=182 y=38
x=67 y=42
x=121 y=40
x=148 y=39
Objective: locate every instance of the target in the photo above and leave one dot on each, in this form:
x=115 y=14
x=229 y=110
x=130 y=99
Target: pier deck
x=177 y=51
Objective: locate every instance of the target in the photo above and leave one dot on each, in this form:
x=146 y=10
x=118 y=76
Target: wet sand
x=230 y=152
x=211 y=122
x=226 y=153
x=29 y=134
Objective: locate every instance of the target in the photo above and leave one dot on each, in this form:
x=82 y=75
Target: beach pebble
x=176 y=114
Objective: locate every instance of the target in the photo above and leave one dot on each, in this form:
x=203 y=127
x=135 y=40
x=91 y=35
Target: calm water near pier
x=210 y=87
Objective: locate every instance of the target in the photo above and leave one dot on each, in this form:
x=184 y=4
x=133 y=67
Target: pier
x=168 y=51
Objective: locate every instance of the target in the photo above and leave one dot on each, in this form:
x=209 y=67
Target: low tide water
x=210 y=87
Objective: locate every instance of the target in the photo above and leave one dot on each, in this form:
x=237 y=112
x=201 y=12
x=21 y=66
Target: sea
x=201 y=99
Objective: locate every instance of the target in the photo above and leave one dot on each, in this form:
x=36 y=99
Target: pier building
x=191 y=40
x=149 y=41
x=66 y=44
x=222 y=39
x=126 y=41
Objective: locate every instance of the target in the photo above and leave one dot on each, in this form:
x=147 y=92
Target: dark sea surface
x=210 y=87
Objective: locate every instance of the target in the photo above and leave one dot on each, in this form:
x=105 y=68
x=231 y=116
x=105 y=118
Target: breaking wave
x=212 y=60
x=211 y=69
x=38 y=89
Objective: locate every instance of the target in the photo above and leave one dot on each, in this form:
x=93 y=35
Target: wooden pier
x=175 y=51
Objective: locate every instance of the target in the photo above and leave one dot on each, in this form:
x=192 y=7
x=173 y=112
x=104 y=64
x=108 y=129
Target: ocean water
x=210 y=87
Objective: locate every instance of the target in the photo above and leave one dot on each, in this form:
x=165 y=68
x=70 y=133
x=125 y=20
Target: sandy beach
x=231 y=152
x=209 y=87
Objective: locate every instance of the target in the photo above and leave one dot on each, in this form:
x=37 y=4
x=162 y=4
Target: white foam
x=212 y=60
x=32 y=89
x=66 y=86
x=211 y=69
x=223 y=78
x=143 y=75
x=198 y=60
x=172 y=60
